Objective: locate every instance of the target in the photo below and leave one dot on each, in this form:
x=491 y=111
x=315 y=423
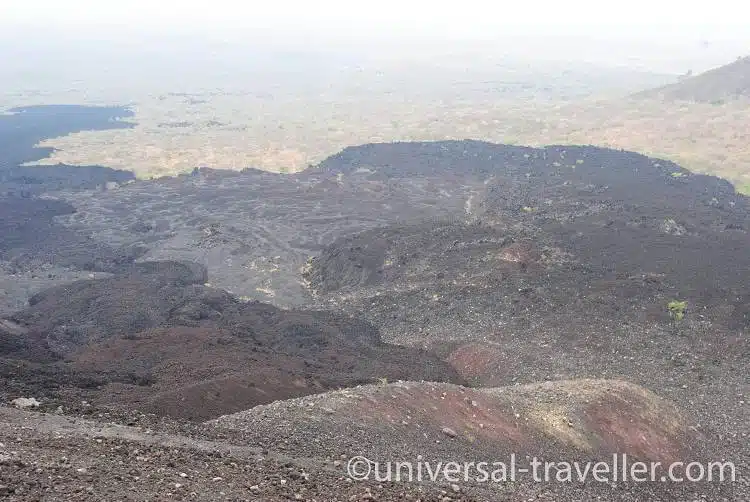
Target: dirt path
x=46 y=457
x=65 y=426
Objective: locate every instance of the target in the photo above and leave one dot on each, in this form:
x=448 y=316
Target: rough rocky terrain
x=28 y=262
x=489 y=268
x=300 y=449
x=571 y=420
x=154 y=337
x=567 y=270
x=61 y=458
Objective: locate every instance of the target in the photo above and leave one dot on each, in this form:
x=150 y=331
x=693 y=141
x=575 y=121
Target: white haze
x=662 y=36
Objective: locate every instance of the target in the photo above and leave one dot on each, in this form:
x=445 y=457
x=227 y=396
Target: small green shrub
x=677 y=309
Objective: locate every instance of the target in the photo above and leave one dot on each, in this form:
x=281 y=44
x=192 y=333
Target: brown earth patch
x=562 y=420
x=523 y=253
x=157 y=339
x=200 y=373
x=643 y=431
x=474 y=360
x=605 y=417
x=468 y=413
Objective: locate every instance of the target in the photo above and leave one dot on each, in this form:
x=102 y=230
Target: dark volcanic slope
x=730 y=81
x=30 y=236
x=568 y=250
x=35 y=252
x=618 y=233
x=514 y=264
x=156 y=338
x=565 y=267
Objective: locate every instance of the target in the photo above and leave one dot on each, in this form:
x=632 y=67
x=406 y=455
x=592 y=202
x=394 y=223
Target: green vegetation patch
x=743 y=188
x=677 y=309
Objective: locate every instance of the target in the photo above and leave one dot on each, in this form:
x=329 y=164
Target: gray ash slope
x=549 y=225
x=512 y=264
x=35 y=252
x=563 y=267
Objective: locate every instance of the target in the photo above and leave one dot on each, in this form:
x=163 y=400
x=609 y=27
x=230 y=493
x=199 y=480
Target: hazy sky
x=461 y=18
x=658 y=35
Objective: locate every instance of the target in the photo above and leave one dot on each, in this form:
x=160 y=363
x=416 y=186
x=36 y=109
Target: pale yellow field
x=287 y=123
x=234 y=132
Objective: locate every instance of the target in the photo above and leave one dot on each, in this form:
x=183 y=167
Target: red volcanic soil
x=193 y=372
x=199 y=373
x=158 y=340
x=474 y=360
x=575 y=417
x=576 y=420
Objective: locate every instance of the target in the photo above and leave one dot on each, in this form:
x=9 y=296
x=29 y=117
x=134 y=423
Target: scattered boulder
x=449 y=432
x=23 y=403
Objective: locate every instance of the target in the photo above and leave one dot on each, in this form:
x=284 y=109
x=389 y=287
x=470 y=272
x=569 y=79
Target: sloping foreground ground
x=555 y=421
x=585 y=417
x=299 y=449
x=60 y=458
x=155 y=338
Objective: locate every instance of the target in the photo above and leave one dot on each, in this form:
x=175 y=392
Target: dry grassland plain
x=288 y=117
